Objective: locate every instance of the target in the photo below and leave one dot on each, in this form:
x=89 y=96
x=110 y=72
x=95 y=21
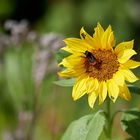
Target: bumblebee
x=91 y=58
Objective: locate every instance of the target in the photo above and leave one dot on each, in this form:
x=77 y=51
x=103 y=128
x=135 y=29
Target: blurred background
x=32 y=107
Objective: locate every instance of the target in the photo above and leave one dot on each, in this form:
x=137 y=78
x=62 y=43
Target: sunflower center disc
x=106 y=65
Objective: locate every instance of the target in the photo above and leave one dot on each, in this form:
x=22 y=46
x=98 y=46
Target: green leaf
x=134 y=89
x=131 y=123
x=65 y=82
x=86 y=128
x=61 y=54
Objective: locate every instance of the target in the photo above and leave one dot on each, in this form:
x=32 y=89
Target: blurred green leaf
x=130 y=139
x=6 y=7
x=134 y=89
x=26 y=71
x=19 y=78
x=47 y=87
x=86 y=128
x=65 y=82
x=56 y=12
x=13 y=76
x=61 y=54
x=131 y=123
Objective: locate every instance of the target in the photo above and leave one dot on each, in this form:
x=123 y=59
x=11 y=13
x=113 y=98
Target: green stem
x=109 y=120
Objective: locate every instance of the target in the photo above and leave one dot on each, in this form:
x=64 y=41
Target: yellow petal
x=92 y=84
x=67 y=49
x=131 y=64
x=65 y=63
x=118 y=77
x=92 y=98
x=74 y=61
x=102 y=92
x=129 y=75
x=123 y=46
x=108 y=40
x=111 y=40
x=124 y=92
x=77 y=45
x=99 y=31
x=113 y=90
x=125 y=55
x=67 y=73
x=86 y=37
x=79 y=88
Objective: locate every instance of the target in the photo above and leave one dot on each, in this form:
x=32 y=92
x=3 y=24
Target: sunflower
x=99 y=67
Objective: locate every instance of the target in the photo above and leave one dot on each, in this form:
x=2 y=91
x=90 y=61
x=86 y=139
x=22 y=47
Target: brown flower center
x=104 y=66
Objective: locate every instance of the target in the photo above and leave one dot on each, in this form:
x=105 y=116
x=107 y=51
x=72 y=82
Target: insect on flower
x=91 y=58
x=99 y=66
